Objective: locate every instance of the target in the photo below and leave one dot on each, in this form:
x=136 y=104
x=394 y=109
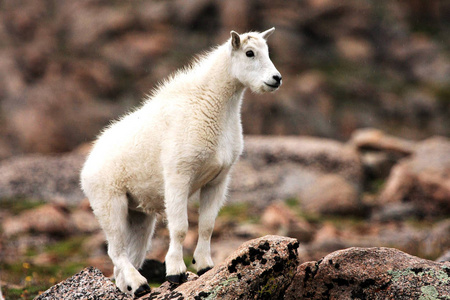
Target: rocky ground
x=268 y=268
x=375 y=190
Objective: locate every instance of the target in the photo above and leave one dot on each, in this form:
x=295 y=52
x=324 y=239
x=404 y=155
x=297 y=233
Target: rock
x=374 y=139
x=274 y=168
x=85 y=221
x=50 y=219
x=268 y=268
x=437 y=240
x=259 y=268
x=444 y=257
x=396 y=212
x=379 y=153
x=422 y=179
x=323 y=155
x=370 y=273
x=42 y=177
x=280 y=218
x=331 y=195
x=87 y=284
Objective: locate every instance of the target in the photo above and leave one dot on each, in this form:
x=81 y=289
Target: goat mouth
x=274 y=86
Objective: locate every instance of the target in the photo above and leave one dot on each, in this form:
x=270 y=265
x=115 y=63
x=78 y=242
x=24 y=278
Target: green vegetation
x=26 y=279
x=30 y=279
x=18 y=205
x=238 y=212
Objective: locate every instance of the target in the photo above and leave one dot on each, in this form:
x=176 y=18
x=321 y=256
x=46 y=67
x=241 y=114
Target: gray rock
x=274 y=168
x=396 y=212
x=87 y=284
x=42 y=177
x=444 y=257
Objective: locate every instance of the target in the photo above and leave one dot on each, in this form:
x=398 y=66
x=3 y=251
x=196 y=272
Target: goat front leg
x=176 y=198
x=212 y=197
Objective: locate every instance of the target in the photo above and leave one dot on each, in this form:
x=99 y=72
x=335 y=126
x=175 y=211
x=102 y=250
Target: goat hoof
x=203 y=271
x=142 y=290
x=177 y=279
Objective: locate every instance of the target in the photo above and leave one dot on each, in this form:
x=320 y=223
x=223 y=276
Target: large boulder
x=51 y=219
x=274 y=168
x=370 y=273
x=42 y=177
x=260 y=268
x=422 y=179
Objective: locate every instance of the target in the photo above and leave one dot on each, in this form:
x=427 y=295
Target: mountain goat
x=184 y=139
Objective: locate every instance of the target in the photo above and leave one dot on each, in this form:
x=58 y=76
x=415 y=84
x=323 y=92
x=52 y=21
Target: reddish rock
x=331 y=195
x=374 y=139
x=51 y=219
x=281 y=219
x=370 y=273
x=423 y=179
x=259 y=268
x=84 y=221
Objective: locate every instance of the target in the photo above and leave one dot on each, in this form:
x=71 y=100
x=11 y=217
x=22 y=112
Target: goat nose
x=277 y=78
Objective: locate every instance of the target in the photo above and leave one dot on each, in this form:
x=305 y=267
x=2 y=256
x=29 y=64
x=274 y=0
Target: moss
x=269 y=288
x=215 y=291
x=429 y=293
x=441 y=275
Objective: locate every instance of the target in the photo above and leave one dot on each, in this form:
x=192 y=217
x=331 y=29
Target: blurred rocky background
x=353 y=150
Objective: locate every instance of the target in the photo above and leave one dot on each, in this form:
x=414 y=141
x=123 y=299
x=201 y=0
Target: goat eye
x=250 y=53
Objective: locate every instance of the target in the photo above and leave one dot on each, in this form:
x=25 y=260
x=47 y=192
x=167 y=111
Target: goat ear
x=235 y=40
x=267 y=33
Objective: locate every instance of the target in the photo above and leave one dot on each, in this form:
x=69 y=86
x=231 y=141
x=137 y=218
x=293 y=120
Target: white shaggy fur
x=183 y=140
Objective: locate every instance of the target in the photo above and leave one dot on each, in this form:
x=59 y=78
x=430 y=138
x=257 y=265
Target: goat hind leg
x=112 y=215
x=140 y=231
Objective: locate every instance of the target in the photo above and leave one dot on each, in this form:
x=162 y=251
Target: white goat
x=183 y=140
